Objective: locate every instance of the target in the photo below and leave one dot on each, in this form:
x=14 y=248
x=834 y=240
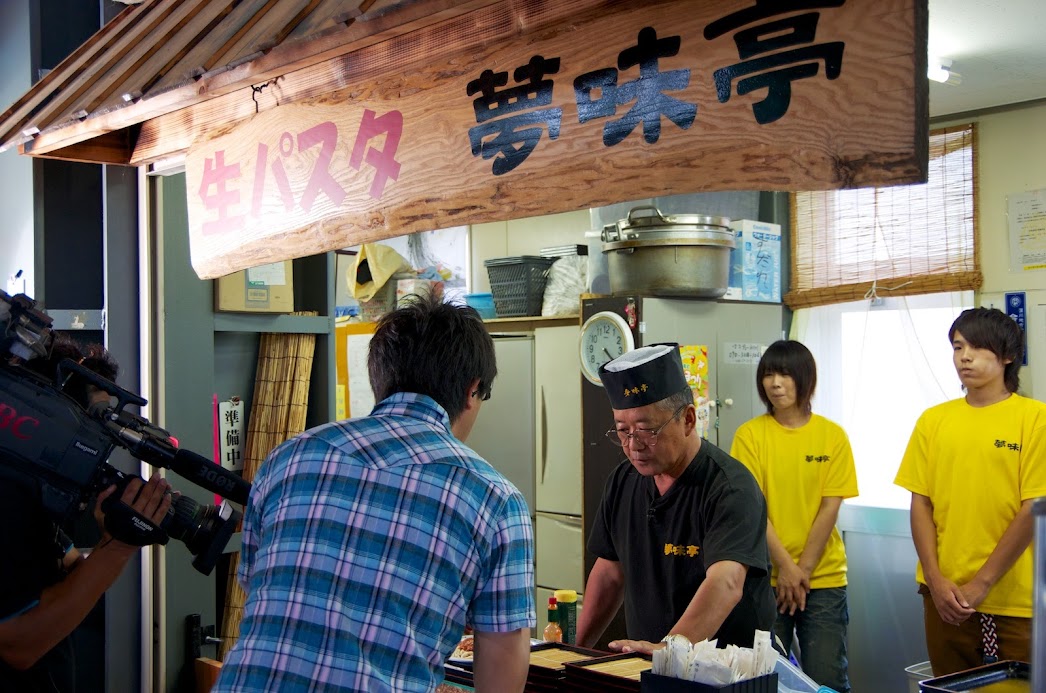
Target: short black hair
x=93 y=357
x=991 y=329
x=788 y=357
x=432 y=348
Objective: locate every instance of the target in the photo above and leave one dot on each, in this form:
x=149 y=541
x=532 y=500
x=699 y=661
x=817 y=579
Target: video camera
x=57 y=445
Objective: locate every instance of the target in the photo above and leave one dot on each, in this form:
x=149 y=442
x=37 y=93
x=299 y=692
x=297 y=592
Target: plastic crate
x=518 y=284
x=916 y=673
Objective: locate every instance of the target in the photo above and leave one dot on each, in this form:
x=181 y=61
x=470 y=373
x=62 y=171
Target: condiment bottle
x=566 y=604
x=553 y=633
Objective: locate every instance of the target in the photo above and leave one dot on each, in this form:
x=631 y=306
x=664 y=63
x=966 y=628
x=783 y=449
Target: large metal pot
x=677 y=255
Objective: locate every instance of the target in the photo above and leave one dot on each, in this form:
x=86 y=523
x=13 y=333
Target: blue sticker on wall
x=1016 y=305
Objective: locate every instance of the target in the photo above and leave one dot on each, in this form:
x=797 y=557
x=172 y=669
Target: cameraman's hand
x=150 y=499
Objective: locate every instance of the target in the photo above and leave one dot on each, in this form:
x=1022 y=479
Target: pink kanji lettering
x=217 y=173
x=383 y=160
x=279 y=173
x=325 y=134
x=259 y=179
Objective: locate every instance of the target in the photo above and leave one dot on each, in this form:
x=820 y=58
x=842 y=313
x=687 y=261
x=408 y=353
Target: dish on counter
x=463 y=652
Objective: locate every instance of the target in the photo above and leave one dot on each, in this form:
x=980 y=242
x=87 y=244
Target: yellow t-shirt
x=796 y=468
x=976 y=465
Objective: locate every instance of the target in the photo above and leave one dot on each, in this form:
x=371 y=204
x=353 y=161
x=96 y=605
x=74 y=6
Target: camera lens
x=204 y=529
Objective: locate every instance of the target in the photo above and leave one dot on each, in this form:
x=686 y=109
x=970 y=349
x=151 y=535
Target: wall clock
x=604 y=336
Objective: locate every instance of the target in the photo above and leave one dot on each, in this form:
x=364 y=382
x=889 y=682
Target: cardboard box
x=755 y=264
x=421 y=287
x=263 y=289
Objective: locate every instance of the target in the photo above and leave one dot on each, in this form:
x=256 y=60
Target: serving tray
x=1007 y=676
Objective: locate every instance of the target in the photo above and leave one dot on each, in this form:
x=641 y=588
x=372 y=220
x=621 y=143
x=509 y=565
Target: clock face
x=604 y=337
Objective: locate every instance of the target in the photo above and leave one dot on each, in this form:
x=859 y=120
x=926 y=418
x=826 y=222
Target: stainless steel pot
x=677 y=255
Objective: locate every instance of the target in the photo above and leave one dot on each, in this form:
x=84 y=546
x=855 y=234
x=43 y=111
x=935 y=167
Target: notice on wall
x=361 y=397
x=743 y=352
x=1026 y=219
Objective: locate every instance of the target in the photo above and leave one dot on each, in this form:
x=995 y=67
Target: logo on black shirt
x=680 y=550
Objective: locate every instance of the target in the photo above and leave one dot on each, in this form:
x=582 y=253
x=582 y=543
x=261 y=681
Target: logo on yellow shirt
x=679 y=550
x=1016 y=447
x=818 y=458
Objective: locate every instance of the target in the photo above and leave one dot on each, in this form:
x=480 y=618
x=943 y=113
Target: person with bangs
x=805 y=467
x=974 y=465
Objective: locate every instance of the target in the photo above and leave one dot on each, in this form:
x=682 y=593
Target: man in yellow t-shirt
x=974 y=465
x=805 y=468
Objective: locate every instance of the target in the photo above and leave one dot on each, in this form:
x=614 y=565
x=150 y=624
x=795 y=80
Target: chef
x=680 y=535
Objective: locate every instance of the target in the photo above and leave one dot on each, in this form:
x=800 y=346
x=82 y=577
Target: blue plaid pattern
x=368 y=544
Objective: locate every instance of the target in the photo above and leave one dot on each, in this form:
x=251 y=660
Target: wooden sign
x=639 y=100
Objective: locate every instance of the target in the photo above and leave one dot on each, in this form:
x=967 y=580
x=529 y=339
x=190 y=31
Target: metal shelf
x=529 y=323
x=291 y=324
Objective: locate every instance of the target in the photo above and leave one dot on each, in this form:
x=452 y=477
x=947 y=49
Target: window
x=903 y=240
x=878 y=369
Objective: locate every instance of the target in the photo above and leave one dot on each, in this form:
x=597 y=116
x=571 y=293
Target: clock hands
x=608 y=354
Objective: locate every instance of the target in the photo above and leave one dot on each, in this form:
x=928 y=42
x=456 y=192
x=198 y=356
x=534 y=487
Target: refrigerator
x=530 y=430
x=731 y=335
x=501 y=435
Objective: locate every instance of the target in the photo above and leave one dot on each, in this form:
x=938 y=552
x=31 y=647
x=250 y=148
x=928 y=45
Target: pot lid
x=649 y=216
x=648 y=223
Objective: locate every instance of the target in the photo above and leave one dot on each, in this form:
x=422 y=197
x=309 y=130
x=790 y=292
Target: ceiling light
x=940 y=70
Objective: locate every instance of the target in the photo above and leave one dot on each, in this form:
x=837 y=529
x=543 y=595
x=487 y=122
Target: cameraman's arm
x=62 y=607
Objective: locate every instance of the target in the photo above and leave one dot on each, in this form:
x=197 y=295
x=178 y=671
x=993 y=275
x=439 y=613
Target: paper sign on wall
x=1026 y=214
x=361 y=397
x=230 y=431
x=743 y=352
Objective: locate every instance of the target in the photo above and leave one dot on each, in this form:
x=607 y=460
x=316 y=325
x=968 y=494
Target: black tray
x=655 y=683
x=978 y=678
x=581 y=676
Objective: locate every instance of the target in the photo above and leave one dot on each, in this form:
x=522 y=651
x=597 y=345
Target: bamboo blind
x=909 y=239
x=278 y=410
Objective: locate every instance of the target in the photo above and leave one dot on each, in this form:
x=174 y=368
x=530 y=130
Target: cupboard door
x=557 y=395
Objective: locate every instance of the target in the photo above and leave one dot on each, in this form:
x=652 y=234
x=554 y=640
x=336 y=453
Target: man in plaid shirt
x=370 y=543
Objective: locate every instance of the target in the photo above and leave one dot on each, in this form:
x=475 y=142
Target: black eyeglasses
x=647 y=437
x=486 y=395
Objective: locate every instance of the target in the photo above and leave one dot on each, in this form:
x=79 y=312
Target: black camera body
x=54 y=447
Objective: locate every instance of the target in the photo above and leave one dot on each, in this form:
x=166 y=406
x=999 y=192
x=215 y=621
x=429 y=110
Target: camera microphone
x=211 y=476
x=152 y=448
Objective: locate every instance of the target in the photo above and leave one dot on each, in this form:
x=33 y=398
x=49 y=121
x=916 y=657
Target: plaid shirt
x=368 y=544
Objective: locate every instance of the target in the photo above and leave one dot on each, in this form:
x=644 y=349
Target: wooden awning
x=164 y=71
x=309 y=125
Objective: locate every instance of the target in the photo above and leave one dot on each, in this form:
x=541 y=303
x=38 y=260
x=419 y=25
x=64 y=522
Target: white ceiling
x=997 y=46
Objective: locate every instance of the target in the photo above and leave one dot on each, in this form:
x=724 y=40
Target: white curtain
x=878 y=368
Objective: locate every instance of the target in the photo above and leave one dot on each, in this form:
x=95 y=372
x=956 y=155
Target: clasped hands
x=956 y=603
x=793 y=584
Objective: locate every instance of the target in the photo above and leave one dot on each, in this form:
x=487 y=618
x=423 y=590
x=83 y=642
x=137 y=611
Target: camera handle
x=125 y=524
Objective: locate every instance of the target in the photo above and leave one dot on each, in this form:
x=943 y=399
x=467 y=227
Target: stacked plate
x=564 y=250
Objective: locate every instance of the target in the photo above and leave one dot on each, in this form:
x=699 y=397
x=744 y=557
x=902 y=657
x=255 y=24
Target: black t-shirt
x=32 y=545
x=713 y=512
